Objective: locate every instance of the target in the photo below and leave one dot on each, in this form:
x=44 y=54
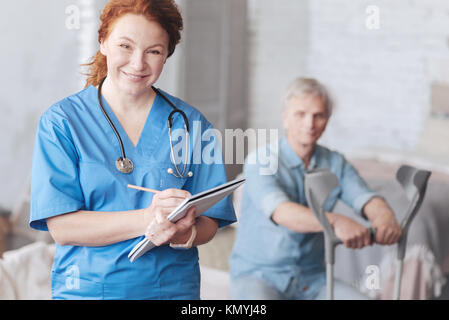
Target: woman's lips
x=134 y=77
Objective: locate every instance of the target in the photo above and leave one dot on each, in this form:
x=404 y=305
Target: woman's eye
x=125 y=46
x=154 y=52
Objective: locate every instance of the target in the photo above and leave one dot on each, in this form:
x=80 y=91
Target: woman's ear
x=103 y=48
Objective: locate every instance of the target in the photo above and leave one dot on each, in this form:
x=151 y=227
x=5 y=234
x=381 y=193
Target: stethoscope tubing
x=122 y=149
x=124 y=164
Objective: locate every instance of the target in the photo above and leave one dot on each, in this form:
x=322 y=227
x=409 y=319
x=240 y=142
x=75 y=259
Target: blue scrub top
x=74 y=169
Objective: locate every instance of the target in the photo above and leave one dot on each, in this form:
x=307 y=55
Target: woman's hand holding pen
x=159 y=229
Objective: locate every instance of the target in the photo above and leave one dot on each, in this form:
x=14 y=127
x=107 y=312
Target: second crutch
x=319 y=183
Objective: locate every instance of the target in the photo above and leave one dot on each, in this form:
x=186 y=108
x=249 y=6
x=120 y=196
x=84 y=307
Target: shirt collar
x=292 y=160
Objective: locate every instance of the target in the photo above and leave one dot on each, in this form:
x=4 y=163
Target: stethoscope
x=125 y=165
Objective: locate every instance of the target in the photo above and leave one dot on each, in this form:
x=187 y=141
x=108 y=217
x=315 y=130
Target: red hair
x=165 y=12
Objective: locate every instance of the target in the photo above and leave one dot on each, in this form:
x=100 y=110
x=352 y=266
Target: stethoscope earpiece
x=189 y=174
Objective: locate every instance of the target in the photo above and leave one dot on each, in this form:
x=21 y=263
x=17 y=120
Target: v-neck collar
x=152 y=128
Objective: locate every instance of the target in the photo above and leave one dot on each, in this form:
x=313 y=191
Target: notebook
x=202 y=201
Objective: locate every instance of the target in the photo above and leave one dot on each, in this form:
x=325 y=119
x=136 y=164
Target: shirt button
x=305 y=288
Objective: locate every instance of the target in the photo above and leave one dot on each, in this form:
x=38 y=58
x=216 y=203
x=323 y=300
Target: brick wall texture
x=385 y=62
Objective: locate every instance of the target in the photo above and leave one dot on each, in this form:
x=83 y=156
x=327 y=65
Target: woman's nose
x=137 y=61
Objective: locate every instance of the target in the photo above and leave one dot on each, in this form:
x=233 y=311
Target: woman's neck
x=124 y=103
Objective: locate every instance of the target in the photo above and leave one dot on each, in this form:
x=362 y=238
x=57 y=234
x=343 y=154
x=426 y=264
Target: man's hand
x=388 y=231
x=352 y=234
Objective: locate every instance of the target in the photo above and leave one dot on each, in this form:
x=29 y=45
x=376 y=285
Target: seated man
x=279 y=248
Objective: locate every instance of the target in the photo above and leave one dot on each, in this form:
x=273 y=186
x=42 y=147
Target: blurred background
x=386 y=64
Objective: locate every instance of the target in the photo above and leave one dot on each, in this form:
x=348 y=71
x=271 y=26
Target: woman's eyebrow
x=126 y=38
x=152 y=46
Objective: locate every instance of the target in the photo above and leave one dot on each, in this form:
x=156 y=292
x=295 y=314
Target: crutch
x=414 y=182
x=318 y=185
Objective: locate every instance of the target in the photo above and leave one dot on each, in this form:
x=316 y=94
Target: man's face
x=305 y=119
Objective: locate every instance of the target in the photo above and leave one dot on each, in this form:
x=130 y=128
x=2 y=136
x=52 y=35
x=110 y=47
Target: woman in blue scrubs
x=80 y=197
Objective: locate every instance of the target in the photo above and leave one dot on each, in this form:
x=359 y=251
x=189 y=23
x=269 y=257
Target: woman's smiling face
x=136 y=51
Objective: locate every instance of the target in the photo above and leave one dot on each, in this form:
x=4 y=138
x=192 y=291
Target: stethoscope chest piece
x=124 y=165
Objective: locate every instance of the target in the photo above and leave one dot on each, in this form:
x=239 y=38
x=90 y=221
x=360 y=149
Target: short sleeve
x=355 y=191
x=55 y=187
x=263 y=189
x=209 y=173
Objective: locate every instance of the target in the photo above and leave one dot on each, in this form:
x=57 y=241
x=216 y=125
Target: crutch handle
x=372 y=235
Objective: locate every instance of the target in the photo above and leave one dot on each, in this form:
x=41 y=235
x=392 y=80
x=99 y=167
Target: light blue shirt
x=272 y=252
x=74 y=169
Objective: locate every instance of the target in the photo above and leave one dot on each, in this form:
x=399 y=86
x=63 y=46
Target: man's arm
x=364 y=201
x=296 y=217
x=382 y=218
x=299 y=218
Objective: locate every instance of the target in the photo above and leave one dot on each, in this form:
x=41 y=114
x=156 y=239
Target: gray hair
x=310 y=86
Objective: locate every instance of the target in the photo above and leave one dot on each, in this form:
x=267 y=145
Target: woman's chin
x=135 y=89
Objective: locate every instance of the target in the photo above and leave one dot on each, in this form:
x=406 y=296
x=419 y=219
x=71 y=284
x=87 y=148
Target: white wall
x=278 y=32
x=39 y=66
x=380 y=76
x=43 y=44
x=383 y=79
